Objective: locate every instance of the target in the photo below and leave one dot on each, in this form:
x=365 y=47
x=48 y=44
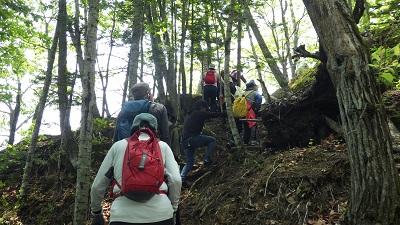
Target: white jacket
x=160 y=207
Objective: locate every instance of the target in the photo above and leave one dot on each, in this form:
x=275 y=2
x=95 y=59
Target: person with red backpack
x=210 y=87
x=145 y=177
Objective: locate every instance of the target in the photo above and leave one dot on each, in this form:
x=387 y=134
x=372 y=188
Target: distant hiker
x=174 y=134
x=192 y=137
x=210 y=87
x=142 y=103
x=234 y=77
x=254 y=101
x=158 y=208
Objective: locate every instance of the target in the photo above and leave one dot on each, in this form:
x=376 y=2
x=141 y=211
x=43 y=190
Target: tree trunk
x=295 y=35
x=238 y=140
x=37 y=120
x=375 y=188
x=75 y=34
x=68 y=143
x=282 y=81
x=157 y=53
x=104 y=80
x=265 y=92
x=286 y=50
x=239 y=52
x=137 y=31
x=62 y=81
x=85 y=139
x=14 y=115
x=171 y=75
x=182 y=73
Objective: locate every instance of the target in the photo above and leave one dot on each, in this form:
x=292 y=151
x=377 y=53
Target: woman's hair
x=143 y=123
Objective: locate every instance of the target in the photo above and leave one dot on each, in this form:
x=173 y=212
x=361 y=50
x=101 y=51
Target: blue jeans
x=189 y=146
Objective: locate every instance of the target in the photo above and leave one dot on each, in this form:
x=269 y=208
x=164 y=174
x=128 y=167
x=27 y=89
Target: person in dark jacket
x=141 y=91
x=192 y=137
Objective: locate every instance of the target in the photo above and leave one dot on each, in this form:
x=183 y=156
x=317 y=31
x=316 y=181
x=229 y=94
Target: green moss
x=304 y=79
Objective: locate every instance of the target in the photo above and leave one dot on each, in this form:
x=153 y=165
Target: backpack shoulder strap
x=249 y=93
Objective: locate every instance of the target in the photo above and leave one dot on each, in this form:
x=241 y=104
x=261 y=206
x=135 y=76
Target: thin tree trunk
x=375 y=190
x=68 y=144
x=137 y=32
x=14 y=115
x=182 y=72
x=239 y=53
x=85 y=139
x=62 y=81
x=286 y=51
x=171 y=51
x=282 y=81
x=37 y=120
x=238 y=140
x=260 y=78
x=104 y=80
x=157 y=53
x=75 y=34
x=192 y=28
x=295 y=34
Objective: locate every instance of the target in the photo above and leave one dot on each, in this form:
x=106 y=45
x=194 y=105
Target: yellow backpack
x=239 y=106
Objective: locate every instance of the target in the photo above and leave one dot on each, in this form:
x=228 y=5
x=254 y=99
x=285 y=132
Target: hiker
x=142 y=102
x=192 y=137
x=160 y=208
x=174 y=134
x=234 y=78
x=254 y=101
x=210 y=87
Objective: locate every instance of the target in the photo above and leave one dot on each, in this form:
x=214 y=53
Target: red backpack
x=143 y=168
x=210 y=78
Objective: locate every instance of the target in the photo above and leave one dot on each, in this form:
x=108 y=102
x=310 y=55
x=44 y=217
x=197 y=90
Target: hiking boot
x=208 y=163
x=254 y=143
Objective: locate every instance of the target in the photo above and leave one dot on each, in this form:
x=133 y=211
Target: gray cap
x=147 y=117
x=211 y=67
x=140 y=90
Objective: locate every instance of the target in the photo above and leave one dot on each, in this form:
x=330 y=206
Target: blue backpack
x=125 y=118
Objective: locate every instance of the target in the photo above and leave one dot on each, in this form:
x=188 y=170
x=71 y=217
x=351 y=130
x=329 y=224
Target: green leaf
x=396 y=50
x=387 y=76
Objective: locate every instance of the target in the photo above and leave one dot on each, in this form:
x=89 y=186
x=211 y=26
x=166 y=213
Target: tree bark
x=171 y=72
x=265 y=92
x=238 y=140
x=85 y=143
x=62 y=78
x=137 y=32
x=157 y=53
x=75 y=34
x=37 y=120
x=14 y=115
x=375 y=190
x=68 y=143
x=184 y=20
x=282 y=81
